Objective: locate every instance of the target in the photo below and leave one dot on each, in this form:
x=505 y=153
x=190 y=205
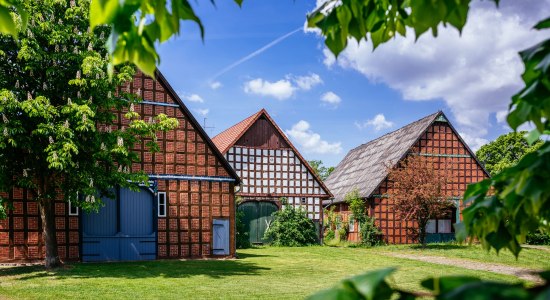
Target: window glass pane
x=444 y=226
x=430 y=227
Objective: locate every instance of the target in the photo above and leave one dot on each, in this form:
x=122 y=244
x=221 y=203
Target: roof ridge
x=394 y=131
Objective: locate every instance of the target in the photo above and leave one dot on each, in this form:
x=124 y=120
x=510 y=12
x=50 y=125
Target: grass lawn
x=288 y=273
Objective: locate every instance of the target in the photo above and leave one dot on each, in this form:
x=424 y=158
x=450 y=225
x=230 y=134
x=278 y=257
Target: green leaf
x=486 y=290
x=533 y=136
x=103 y=12
x=7 y=25
x=445 y=284
x=372 y=285
x=334 y=42
x=543 y=24
x=335 y=294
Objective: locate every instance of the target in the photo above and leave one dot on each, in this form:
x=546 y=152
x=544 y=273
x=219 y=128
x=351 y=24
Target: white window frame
x=165 y=204
x=71 y=206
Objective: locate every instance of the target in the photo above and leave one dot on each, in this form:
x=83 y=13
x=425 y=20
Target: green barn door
x=266 y=209
x=257 y=218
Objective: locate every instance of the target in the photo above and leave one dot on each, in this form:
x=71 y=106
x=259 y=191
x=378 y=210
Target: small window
x=303 y=200
x=161 y=198
x=351 y=224
x=73 y=210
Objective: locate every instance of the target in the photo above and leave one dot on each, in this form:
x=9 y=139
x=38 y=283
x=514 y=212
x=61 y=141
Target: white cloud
x=281 y=90
x=191 y=97
x=215 y=85
x=306 y=82
x=310 y=141
x=379 y=122
x=284 y=88
x=472 y=141
x=330 y=98
x=475 y=73
x=202 y=111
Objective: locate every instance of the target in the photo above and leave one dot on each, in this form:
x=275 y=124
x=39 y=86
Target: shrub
x=330 y=235
x=538 y=238
x=291 y=227
x=370 y=234
x=243 y=239
x=343 y=232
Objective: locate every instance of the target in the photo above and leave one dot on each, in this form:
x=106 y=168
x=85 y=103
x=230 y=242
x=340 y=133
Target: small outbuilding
x=187 y=210
x=271 y=168
x=365 y=169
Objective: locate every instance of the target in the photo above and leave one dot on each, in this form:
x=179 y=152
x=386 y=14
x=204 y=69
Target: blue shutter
x=221 y=237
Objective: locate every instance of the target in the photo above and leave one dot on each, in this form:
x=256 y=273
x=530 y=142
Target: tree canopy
x=505 y=151
x=418 y=189
x=320 y=170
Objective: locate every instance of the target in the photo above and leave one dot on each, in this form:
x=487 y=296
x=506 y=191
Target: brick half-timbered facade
x=270 y=167
x=192 y=191
x=365 y=168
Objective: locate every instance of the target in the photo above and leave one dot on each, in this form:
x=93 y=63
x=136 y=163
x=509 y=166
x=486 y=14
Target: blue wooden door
x=122 y=230
x=221 y=237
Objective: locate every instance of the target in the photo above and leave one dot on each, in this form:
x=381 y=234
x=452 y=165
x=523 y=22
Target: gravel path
x=522 y=273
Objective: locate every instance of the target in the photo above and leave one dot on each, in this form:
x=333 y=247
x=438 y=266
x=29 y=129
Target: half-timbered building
x=365 y=169
x=271 y=168
x=188 y=210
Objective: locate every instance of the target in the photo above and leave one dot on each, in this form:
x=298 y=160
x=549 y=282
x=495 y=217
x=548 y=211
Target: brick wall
x=21 y=233
x=186 y=231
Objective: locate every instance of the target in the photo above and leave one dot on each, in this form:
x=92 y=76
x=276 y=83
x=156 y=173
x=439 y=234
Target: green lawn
x=289 y=273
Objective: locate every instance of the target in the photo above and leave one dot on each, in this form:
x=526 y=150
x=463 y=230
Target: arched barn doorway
x=123 y=230
x=257 y=218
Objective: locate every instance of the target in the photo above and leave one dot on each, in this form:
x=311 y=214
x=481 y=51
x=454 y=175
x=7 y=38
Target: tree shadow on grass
x=241 y=255
x=138 y=270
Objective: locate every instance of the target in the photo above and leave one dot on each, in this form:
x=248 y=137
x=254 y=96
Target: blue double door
x=124 y=229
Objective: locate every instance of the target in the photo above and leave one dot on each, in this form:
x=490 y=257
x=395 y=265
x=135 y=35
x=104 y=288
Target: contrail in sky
x=255 y=53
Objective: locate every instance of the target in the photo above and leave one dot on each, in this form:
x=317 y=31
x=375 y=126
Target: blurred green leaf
x=7 y=25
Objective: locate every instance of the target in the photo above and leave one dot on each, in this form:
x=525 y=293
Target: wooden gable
x=262 y=134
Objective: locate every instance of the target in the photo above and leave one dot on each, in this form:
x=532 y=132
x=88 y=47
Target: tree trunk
x=47 y=212
x=422 y=233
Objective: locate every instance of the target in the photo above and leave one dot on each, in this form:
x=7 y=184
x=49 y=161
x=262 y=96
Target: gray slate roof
x=365 y=167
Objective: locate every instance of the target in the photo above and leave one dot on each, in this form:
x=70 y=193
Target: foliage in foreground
x=291 y=227
x=374 y=285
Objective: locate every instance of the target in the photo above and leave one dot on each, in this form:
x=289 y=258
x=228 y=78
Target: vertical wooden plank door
x=122 y=230
x=257 y=219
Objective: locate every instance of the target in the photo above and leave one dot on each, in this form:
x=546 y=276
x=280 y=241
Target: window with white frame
x=351 y=224
x=161 y=199
x=73 y=210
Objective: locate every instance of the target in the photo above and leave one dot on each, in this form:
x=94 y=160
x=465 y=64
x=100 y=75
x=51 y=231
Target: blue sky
x=328 y=106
